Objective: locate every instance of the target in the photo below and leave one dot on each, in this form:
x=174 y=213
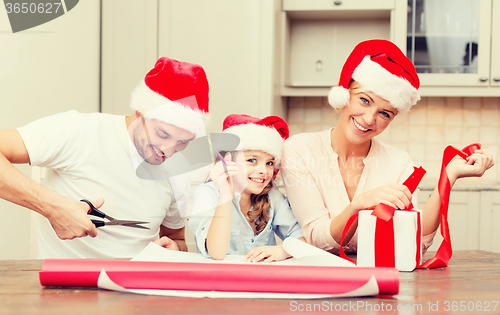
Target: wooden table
x=472 y=277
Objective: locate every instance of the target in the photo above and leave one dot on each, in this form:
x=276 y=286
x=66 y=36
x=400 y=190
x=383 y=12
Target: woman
x=331 y=175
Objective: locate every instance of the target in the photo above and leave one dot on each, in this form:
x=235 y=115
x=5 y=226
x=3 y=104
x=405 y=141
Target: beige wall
x=48 y=69
x=424 y=132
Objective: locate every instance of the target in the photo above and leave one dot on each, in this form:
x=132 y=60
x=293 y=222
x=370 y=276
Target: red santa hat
x=175 y=92
x=380 y=67
x=266 y=134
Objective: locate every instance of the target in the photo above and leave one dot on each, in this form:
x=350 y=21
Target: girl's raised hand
x=475 y=166
x=221 y=174
x=267 y=253
x=395 y=195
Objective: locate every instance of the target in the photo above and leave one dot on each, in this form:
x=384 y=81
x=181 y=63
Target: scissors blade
x=128 y=223
x=136 y=225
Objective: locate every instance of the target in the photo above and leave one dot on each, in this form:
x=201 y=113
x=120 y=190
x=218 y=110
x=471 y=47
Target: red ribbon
x=384 y=232
x=385 y=254
x=443 y=254
x=384 y=229
x=385 y=212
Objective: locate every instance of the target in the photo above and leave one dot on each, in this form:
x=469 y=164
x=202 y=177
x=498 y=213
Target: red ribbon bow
x=385 y=253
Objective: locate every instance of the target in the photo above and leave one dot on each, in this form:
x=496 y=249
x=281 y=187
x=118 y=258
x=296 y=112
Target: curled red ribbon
x=444 y=253
x=385 y=214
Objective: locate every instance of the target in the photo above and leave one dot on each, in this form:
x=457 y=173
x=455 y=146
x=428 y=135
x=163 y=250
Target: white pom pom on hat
x=380 y=67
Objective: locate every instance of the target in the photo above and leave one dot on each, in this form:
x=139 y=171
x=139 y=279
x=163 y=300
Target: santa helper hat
x=266 y=134
x=380 y=67
x=174 y=92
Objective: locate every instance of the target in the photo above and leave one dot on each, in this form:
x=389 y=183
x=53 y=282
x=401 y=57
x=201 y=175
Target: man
x=91 y=156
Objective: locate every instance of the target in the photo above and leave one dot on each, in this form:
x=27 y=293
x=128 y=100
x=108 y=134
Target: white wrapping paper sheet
x=405 y=239
x=369 y=289
x=303 y=254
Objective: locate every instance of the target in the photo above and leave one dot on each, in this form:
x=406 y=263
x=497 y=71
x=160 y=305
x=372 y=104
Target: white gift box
x=407 y=239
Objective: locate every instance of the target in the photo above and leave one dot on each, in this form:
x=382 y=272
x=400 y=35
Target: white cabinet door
x=233 y=42
x=339 y=5
x=129 y=50
x=318 y=36
x=490 y=221
x=495 y=44
x=463 y=219
x=454 y=45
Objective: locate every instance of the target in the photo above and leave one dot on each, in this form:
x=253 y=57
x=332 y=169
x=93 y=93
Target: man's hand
x=167 y=243
x=67 y=217
x=176 y=236
x=72 y=221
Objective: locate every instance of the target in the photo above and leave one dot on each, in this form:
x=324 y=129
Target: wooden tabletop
x=469 y=285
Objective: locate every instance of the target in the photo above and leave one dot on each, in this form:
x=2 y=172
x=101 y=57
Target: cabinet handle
x=496 y=79
x=483 y=79
x=319 y=65
x=337 y=2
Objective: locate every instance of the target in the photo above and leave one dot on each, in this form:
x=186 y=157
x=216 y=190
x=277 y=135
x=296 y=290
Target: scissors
x=98 y=223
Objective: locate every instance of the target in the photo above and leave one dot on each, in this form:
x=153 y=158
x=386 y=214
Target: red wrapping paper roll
x=217 y=277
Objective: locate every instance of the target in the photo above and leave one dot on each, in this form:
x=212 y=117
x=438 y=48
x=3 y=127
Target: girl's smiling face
x=366 y=116
x=256 y=169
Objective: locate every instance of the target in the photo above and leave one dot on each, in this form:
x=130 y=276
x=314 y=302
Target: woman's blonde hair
x=355 y=88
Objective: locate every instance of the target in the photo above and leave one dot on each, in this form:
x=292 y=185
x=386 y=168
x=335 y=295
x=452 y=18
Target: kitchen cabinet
x=455 y=45
x=317 y=37
x=473 y=217
x=258 y=53
x=489 y=220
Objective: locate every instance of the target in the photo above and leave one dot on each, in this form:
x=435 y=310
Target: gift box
x=393 y=243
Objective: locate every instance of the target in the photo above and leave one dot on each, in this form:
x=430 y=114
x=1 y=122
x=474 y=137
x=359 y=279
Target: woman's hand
x=475 y=165
x=395 y=195
x=267 y=253
x=221 y=174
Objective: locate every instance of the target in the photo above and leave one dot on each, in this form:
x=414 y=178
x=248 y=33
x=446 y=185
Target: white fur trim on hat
x=338 y=97
x=397 y=90
x=155 y=106
x=258 y=137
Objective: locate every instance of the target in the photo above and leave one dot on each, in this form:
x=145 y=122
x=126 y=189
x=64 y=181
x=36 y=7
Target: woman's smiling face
x=366 y=116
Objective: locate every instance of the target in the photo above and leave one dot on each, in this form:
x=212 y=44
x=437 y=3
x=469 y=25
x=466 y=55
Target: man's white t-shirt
x=88 y=156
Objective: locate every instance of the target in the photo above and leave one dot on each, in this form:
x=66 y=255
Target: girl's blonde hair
x=260 y=203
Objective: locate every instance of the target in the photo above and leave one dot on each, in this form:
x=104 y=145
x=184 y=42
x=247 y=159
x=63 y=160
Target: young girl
x=331 y=175
x=245 y=208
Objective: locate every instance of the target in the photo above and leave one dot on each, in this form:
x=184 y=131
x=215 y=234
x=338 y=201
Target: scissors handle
x=93 y=210
x=98 y=223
